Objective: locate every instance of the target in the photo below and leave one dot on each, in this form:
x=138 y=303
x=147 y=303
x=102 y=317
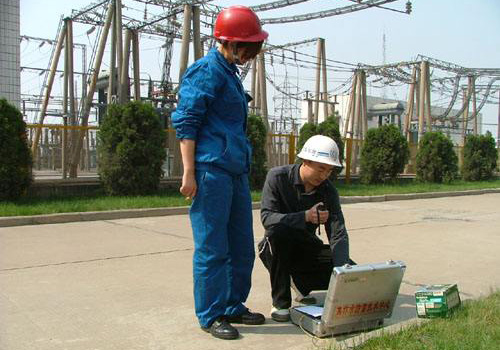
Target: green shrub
x=436 y=159
x=480 y=157
x=15 y=155
x=257 y=135
x=131 y=149
x=384 y=154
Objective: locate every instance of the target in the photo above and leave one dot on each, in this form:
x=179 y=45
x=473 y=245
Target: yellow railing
x=281 y=150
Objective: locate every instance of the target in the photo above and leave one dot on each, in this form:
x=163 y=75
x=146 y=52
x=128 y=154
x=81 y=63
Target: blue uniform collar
x=231 y=67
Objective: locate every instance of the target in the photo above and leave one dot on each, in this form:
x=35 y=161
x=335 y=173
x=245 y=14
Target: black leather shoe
x=222 y=329
x=248 y=317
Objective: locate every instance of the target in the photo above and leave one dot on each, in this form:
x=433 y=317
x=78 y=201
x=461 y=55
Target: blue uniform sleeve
x=198 y=90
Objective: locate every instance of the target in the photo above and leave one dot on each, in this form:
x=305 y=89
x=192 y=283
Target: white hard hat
x=321 y=149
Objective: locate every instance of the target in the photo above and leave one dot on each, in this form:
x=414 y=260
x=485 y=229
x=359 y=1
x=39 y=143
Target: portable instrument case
x=359 y=297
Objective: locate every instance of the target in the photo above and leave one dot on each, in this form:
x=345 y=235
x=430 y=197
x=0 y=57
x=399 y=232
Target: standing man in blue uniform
x=210 y=122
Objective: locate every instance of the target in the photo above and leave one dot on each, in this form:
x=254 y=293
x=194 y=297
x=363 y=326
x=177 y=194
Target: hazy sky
x=464 y=32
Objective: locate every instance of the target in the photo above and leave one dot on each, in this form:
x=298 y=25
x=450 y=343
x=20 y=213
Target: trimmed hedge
x=15 y=155
x=480 y=157
x=131 y=149
x=384 y=154
x=436 y=159
x=257 y=135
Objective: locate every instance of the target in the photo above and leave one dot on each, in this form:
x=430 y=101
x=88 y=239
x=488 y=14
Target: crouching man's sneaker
x=221 y=329
x=280 y=315
x=247 y=317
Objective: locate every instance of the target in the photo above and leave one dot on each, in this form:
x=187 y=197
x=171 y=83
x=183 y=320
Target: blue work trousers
x=221 y=219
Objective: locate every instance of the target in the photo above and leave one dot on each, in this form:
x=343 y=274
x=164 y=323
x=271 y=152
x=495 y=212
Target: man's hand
x=189 y=186
x=312 y=214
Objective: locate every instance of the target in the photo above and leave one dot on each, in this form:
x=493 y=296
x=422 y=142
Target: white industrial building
x=10 y=80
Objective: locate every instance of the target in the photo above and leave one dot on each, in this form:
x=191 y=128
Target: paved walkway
x=126 y=283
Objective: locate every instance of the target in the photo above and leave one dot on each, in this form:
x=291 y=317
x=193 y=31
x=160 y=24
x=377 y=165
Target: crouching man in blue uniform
x=210 y=121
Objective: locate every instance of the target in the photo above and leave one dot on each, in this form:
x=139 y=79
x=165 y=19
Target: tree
x=480 y=157
x=15 y=156
x=436 y=159
x=131 y=149
x=257 y=135
x=384 y=154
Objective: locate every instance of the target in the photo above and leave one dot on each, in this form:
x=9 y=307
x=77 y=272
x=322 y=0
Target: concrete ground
x=126 y=284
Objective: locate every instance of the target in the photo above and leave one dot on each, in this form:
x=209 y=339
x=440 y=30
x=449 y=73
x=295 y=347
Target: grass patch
x=359 y=189
x=476 y=325
x=59 y=204
x=172 y=198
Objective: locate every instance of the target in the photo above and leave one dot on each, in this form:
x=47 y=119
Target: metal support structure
x=253 y=82
x=136 y=64
x=112 y=57
x=263 y=90
x=465 y=115
x=45 y=103
x=323 y=72
x=474 y=106
x=196 y=33
x=364 y=107
x=124 y=77
x=498 y=121
x=119 y=44
x=75 y=159
x=186 y=31
x=423 y=94
x=410 y=106
x=318 y=80
x=71 y=87
x=350 y=109
x=428 y=97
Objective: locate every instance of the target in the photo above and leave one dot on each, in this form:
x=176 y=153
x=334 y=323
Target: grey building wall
x=10 y=81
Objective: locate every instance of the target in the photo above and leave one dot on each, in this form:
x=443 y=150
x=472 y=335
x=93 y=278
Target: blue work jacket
x=213 y=110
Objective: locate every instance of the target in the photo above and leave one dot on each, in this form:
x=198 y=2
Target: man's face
x=315 y=173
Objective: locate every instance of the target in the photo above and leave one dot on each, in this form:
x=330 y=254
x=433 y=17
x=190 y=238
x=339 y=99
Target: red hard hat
x=239 y=23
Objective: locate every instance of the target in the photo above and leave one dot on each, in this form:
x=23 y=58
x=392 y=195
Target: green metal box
x=437 y=300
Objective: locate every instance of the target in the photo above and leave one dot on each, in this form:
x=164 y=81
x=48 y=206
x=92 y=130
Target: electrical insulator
x=408 y=7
